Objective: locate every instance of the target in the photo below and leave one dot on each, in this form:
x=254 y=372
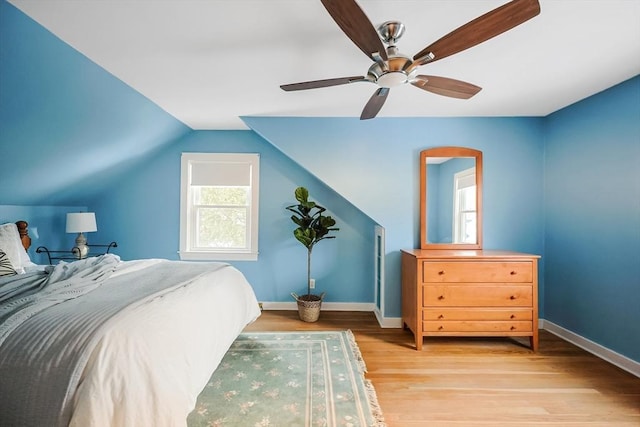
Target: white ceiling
x=209 y=62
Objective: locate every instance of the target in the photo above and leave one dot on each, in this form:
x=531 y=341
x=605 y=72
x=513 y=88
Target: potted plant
x=312 y=227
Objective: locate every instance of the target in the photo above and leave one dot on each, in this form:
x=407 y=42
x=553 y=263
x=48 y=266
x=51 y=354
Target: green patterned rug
x=289 y=379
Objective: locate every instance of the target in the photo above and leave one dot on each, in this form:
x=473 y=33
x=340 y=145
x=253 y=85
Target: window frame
x=458 y=212
x=188 y=250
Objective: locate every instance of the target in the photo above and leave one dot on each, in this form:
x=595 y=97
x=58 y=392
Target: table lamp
x=81 y=222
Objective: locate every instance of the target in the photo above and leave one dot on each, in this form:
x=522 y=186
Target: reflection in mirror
x=451 y=180
x=451 y=211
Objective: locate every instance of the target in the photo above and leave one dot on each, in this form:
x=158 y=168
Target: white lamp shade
x=81 y=222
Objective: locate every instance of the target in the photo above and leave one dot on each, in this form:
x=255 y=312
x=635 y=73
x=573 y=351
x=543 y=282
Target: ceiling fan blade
x=375 y=103
x=315 y=84
x=446 y=86
x=355 y=24
x=482 y=28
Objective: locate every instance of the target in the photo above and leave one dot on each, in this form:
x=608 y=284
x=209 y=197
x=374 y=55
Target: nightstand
x=71 y=255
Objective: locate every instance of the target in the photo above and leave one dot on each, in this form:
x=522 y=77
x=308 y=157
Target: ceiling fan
x=392 y=68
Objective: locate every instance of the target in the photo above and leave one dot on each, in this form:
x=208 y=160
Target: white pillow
x=11 y=245
x=24 y=256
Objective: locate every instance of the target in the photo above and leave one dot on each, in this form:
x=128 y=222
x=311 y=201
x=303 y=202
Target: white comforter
x=150 y=361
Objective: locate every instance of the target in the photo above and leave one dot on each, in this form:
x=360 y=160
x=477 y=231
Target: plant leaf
x=302 y=195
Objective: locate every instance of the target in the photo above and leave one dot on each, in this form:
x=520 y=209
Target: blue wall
x=592 y=206
x=375 y=165
x=142 y=215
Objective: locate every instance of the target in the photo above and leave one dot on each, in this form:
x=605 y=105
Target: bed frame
x=24 y=233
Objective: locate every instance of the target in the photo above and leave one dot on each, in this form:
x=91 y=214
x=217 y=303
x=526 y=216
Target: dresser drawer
x=476 y=271
x=446 y=314
x=477 y=295
x=476 y=326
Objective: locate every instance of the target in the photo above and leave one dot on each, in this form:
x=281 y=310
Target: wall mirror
x=450 y=198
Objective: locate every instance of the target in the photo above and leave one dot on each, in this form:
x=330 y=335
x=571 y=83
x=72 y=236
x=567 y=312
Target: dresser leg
x=419 y=342
x=533 y=342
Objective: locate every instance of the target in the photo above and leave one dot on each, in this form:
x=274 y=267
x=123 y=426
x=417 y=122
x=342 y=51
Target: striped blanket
x=52 y=321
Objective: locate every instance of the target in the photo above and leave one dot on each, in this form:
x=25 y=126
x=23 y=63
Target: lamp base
x=80 y=250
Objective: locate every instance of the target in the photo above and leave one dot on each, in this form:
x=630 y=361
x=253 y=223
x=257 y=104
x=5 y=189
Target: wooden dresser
x=470 y=293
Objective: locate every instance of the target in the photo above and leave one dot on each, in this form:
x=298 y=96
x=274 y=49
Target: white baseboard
x=326 y=306
x=602 y=352
x=385 y=322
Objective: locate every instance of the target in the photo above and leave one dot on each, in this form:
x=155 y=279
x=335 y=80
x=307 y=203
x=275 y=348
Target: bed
x=105 y=342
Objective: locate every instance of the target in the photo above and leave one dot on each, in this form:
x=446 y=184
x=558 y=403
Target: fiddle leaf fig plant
x=313 y=227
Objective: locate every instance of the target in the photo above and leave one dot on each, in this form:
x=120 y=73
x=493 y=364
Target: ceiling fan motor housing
x=396 y=71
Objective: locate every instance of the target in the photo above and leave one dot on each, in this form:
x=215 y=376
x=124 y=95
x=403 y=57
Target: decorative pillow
x=6 y=269
x=11 y=245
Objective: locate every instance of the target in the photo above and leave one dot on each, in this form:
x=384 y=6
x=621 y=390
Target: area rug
x=289 y=379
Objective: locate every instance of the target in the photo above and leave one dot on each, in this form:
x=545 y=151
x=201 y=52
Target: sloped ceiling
x=209 y=62
x=68 y=128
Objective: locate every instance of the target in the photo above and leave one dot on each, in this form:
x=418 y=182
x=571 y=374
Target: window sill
x=217 y=256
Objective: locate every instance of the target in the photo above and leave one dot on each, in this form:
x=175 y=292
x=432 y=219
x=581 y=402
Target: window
x=219 y=206
x=464 y=209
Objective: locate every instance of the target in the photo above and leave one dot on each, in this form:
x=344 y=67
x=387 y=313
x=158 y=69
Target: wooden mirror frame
x=449 y=152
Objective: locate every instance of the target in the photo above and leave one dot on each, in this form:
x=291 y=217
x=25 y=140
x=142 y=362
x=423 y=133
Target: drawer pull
x=441 y=317
x=513 y=316
x=513 y=273
x=441 y=297
x=440 y=328
x=513 y=328
x=441 y=272
x=512 y=297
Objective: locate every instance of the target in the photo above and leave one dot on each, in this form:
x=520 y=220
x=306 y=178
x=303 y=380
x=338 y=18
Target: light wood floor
x=480 y=381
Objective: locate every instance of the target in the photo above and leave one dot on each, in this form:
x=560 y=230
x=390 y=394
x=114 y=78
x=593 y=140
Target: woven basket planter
x=308 y=306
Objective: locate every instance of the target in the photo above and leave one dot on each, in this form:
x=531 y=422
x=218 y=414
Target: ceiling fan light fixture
x=392 y=79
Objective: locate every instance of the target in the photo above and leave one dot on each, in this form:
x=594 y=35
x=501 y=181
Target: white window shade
x=222 y=174
x=466 y=180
